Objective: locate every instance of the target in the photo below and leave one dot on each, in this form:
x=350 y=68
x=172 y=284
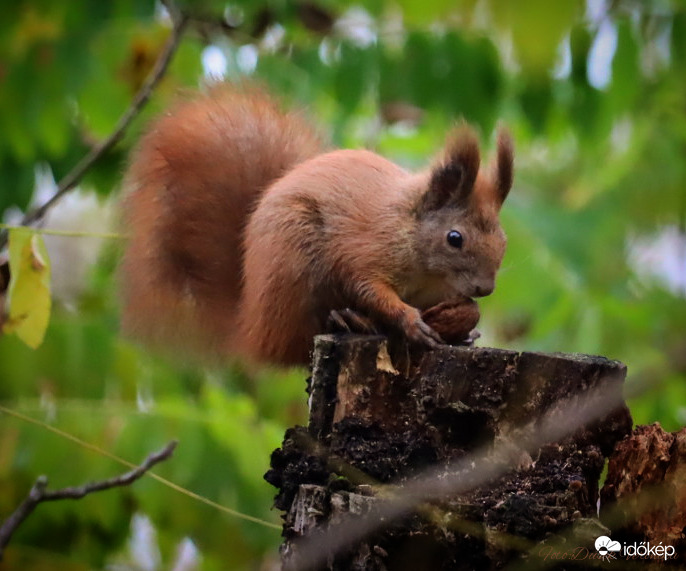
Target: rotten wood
x=644 y=496
x=381 y=415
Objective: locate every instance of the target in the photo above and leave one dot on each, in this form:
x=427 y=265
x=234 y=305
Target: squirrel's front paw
x=419 y=332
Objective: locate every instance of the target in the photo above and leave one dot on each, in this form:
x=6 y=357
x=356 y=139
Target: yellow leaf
x=29 y=290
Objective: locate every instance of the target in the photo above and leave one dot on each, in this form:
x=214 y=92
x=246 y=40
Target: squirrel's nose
x=484 y=289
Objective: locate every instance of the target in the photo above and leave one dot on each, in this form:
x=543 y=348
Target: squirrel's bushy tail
x=191 y=185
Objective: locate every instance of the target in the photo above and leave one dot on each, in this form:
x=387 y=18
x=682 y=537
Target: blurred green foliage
x=599 y=203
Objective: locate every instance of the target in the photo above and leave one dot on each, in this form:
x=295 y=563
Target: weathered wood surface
x=382 y=418
x=644 y=496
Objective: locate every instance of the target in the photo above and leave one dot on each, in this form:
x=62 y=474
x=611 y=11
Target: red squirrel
x=245 y=232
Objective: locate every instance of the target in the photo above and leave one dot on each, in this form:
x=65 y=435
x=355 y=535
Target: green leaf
x=537 y=101
x=16 y=184
x=29 y=290
x=580 y=42
x=625 y=69
x=678 y=44
x=422 y=14
x=537 y=28
x=352 y=76
x=424 y=65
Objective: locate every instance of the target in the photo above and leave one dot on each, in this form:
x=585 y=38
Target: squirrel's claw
x=430 y=337
x=419 y=332
x=336 y=324
x=474 y=334
x=349 y=321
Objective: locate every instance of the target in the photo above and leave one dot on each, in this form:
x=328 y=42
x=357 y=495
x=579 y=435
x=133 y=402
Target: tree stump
x=378 y=418
x=644 y=496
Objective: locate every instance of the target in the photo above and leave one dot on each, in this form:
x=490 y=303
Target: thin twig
x=68 y=233
x=168 y=483
x=73 y=177
x=39 y=492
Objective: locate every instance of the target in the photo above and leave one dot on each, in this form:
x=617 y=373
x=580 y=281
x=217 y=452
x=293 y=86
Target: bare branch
x=73 y=177
x=39 y=492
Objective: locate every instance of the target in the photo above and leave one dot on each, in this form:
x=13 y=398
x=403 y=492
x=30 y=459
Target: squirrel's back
x=191 y=186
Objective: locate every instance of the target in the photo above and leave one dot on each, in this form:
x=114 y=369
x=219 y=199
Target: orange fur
x=191 y=185
x=245 y=234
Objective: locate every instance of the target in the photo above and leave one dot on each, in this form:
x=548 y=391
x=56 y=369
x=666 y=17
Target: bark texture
x=380 y=416
x=644 y=496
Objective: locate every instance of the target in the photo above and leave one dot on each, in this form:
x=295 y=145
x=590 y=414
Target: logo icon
x=606 y=547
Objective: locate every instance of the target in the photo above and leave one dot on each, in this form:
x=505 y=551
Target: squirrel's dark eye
x=454 y=239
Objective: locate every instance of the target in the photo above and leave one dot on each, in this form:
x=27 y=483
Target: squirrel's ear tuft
x=504 y=169
x=452 y=178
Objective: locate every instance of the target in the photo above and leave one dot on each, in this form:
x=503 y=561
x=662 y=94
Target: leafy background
x=595 y=95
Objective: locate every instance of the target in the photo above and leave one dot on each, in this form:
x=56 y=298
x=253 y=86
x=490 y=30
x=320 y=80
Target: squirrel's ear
x=452 y=178
x=504 y=165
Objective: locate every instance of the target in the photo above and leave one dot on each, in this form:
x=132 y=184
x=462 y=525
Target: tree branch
x=76 y=174
x=39 y=492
